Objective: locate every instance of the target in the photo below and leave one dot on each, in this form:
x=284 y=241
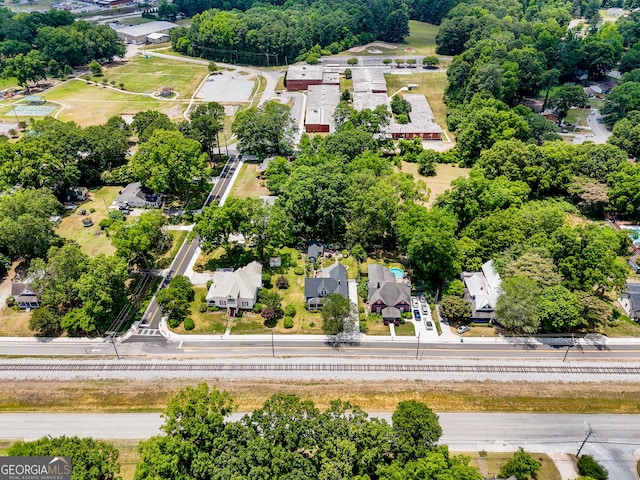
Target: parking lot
x=226 y=87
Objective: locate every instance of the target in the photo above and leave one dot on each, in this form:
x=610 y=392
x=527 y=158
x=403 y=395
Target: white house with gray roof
x=483 y=290
x=235 y=290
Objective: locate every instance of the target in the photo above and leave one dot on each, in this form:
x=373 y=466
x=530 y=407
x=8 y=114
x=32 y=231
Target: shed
x=158 y=37
x=165 y=91
x=315 y=251
x=35 y=100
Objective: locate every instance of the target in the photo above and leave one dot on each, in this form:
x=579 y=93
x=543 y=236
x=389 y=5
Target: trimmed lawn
x=625 y=328
x=206 y=322
x=14 y=322
x=145 y=75
x=93 y=105
x=248 y=184
x=489 y=464
x=430 y=84
x=577 y=116
x=406 y=330
x=92 y=240
x=445 y=174
x=376 y=327
x=422 y=38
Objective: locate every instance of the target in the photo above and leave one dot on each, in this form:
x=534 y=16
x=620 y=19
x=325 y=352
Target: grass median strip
x=451 y=396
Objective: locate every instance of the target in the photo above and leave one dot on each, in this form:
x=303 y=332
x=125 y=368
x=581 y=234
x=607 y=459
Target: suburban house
x=136 y=196
x=315 y=251
x=329 y=280
x=25 y=296
x=235 y=290
x=482 y=289
x=388 y=296
x=634 y=263
x=551 y=115
x=629 y=300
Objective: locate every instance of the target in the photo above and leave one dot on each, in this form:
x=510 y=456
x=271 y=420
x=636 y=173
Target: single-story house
x=629 y=300
x=588 y=91
x=235 y=290
x=329 y=280
x=315 y=251
x=615 y=12
x=24 y=295
x=135 y=195
x=596 y=89
x=482 y=289
x=551 y=115
x=387 y=296
x=607 y=86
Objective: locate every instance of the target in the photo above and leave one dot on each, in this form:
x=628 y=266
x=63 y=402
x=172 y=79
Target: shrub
x=292 y=264
x=209 y=283
x=257 y=308
x=266 y=280
x=11 y=301
x=288 y=322
x=348 y=74
x=214 y=308
x=298 y=271
x=203 y=308
x=173 y=322
x=363 y=326
x=345 y=253
x=282 y=282
x=290 y=311
x=92 y=210
x=588 y=467
x=312 y=324
x=406 y=315
x=188 y=324
x=299 y=255
x=105 y=223
x=116 y=215
x=360 y=309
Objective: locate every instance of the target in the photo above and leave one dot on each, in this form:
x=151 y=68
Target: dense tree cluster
x=37 y=44
x=264 y=33
x=291 y=438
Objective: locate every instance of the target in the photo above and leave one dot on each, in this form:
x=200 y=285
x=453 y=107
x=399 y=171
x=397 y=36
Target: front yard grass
x=624 y=328
x=489 y=463
x=248 y=184
x=405 y=330
x=92 y=240
x=214 y=323
x=14 y=322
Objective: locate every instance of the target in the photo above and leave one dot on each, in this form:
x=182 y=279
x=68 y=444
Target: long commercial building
x=322 y=101
x=421 y=124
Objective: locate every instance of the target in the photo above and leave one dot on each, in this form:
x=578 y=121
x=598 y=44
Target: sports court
x=32 y=110
x=227 y=87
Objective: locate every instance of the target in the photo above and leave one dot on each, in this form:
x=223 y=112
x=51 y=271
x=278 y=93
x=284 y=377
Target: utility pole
x=418 y=348
x=273 y=348
x=113 y=342
x=585 y=438
x=569 y=346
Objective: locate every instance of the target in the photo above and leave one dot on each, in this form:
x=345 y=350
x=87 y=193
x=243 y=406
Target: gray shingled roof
x=332 y=279
x=384 y=288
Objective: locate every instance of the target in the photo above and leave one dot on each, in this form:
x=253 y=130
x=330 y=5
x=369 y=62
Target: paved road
x=600 y=132
x=615 y=441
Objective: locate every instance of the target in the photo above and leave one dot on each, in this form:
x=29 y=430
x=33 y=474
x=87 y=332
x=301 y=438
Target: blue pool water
x=634 y=233
x=397 y=272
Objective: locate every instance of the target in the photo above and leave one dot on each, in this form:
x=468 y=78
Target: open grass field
x=14 y=322
x=445 y=174
x=144 y=75
x=489 y=464
x=120 y=395
x=91 y=239
x=93 y=105
x=430 y=84
x=422 y=38
x=248 y=184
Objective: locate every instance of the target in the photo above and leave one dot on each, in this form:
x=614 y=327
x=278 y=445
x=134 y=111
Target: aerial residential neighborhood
x=339 y=239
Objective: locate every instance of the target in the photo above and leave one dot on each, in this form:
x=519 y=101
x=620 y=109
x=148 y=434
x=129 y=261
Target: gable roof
x=315 y=250
x=483 y=287
x=332 y=279
x=134 y=193
x=241 y=283
x=22 y=289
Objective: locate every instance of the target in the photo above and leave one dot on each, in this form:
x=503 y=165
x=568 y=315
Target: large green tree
x=522 y=466
x=265 y=130
x=416 y=429
x=336 y=311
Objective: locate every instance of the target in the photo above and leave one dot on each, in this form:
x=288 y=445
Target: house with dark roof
x=387 y=296
x=25 y=295
x=634 y=263
x=629 y=300
x=315 y=251
x=329 y=280
x=135 y=195
x=482 y=289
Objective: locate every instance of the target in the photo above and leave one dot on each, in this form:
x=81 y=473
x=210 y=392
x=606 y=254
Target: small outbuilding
x=35 y=100
x=165 y=92
x=315 y=251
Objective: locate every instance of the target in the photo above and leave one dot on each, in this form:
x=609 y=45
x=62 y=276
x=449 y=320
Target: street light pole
x=585 y=439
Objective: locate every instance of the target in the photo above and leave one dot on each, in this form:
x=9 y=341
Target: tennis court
x=32 y=110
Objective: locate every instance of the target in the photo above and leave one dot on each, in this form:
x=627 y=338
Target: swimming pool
x=398 y=272
x=634 y=233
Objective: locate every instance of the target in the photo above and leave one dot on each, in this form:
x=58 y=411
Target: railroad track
x=303 y=367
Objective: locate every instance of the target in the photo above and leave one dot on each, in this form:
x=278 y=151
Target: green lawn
x=489 y=464
x=248 y=183
x=214 y=323
x=422 y=38
x=93 y=105
x=140 y=74
x=441 y=182
x=14 y=322
x=406 y=330
x=92 y=240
